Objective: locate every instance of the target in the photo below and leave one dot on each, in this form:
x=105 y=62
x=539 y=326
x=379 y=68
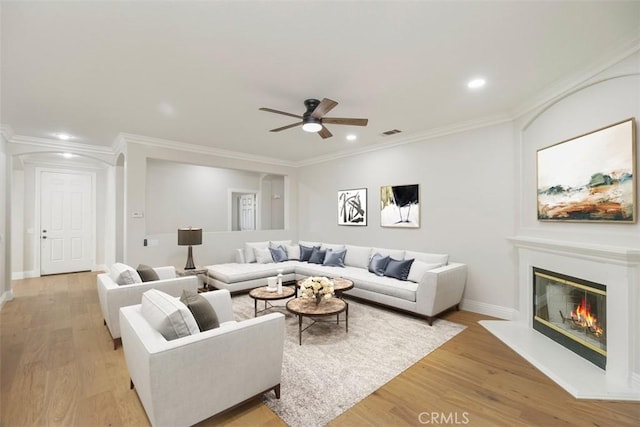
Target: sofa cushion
x=378 y=264
x=440 y=259
x=398 y=269
x=317 y=256
x=263 y=256
x=309 y=244
x=357 y=256
x=391 y=253
x=249 y=254
x=202 y=310
x=293 y=251
x=306 y=251
x=147 y=274
x=130 y=276
x=334 y=258
x=236 y=272
x=167 y=315
x=279 y=254
x=418 y=269
x=326 y=246
x=381 y=284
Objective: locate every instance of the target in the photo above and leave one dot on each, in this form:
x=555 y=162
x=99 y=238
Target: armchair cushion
x=202 y=311
x=168 y=315
x=147 y=274
x=122 y=274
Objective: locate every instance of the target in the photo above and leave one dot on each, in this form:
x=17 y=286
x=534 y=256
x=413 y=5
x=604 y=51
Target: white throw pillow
x=168 y=315
x=249 y=255
x=326 y=246
x=276 y=243
x=263 y=256
x=309 y=244
x=397 y=254
x=129 y=277
x=418 y=269
x=440 y=259
x=357 y=256
x=293 y=251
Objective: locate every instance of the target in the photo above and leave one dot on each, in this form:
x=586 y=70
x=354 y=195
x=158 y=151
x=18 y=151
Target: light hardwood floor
x=58 y=367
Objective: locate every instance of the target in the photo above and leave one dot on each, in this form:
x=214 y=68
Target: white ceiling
x=197 y=72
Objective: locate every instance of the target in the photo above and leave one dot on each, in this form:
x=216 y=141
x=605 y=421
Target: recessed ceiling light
x=66 y=155
x=63 y=136
x=476 y=83
x=351 y=137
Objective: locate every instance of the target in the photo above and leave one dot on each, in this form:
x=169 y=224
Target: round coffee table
x=262 y=294
x=307 y=307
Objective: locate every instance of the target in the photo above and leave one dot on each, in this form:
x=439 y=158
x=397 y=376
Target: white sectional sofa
x=436 y=284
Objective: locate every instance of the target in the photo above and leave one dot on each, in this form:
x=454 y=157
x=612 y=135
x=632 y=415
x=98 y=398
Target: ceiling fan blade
x=286 y=127
x=345 y=121
x=271 y=110
x=324 y=133
x=323 y=108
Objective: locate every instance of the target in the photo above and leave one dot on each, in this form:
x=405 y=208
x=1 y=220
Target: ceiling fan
x=313 y=119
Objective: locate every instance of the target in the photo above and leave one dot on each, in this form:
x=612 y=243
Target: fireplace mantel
x=614 y=254
x=618 y=268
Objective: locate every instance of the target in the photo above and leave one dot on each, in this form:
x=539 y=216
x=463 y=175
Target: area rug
x=333 y=370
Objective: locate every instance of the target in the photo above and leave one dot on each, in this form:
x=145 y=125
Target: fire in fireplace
x=572 y=312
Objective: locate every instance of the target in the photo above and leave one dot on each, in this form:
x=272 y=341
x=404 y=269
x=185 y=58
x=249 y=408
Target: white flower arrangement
x=317 y=288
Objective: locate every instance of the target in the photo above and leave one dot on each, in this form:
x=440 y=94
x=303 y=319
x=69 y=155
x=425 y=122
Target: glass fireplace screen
x=572 y=312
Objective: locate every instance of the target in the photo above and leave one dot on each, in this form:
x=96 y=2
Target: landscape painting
x=400 y=206
x=589 y=178
x=352 y=207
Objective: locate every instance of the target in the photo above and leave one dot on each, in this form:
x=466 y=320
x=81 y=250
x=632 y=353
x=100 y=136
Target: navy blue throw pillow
x=278 y=253
x=378 y=264
x=317 y=256
x=305 y=253
x=334 y=258
x=398 y=268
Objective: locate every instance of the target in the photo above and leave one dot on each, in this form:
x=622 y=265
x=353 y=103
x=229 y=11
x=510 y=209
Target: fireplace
x=572 y=312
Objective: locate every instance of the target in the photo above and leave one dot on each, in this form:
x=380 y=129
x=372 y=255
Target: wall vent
x=391 y=132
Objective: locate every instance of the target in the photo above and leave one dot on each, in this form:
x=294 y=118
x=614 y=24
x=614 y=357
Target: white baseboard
x=6 y=296
x=101 y=268
x=489 y=309
x=635 y=381
x=17 y=275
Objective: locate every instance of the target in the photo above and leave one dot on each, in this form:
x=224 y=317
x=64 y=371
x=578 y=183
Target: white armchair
x=189 y=379
x=113 y=296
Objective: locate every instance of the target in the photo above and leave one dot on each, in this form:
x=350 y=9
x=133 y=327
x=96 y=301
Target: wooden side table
x=262 y=294
x=308 y=308
x=199 y=272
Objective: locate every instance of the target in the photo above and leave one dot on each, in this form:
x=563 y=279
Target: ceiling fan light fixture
x=311 y=125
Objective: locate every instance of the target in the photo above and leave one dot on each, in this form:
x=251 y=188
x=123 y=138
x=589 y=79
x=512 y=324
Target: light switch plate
x=137 y=215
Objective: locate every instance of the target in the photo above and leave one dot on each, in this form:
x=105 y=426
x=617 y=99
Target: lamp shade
x=189 y=236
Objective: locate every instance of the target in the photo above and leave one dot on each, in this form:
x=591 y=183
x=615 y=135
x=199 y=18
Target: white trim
x=54 y=144
x=6 y=296
x=489 y=309
x=18 y=275
x=102 y=268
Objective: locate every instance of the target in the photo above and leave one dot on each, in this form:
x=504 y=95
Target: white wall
x=467 y=204
x=217 y=247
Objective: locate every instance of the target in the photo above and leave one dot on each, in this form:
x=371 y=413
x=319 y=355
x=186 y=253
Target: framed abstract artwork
x=352 y=207
x=590 y=177
x=400 y=206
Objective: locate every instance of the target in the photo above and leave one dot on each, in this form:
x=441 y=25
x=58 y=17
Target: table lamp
x=189 y=237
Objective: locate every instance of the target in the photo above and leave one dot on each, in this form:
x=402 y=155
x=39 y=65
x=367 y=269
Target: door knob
x=44 y=237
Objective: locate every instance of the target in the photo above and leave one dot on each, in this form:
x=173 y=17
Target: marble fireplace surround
x=616 y=267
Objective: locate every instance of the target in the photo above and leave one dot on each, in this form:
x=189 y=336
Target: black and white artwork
x=400 y=206
x=352 y=207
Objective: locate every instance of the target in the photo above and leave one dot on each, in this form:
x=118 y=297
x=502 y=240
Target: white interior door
x=66 y=222
x=248 y=212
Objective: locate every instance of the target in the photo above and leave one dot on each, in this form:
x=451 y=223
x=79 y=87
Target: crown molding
x=124 y=138
x=6 y=132
x=413 y=138
x=56 y=145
